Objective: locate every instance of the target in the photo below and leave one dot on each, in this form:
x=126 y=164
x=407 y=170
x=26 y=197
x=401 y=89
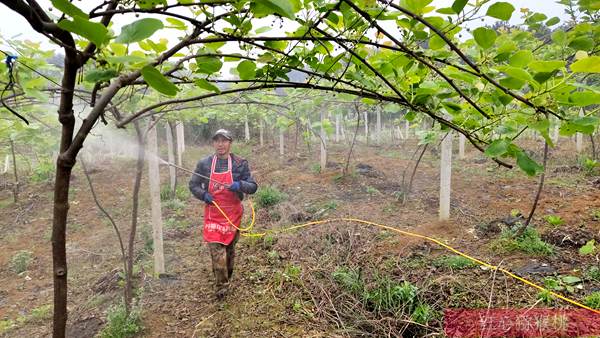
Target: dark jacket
x=240 y=171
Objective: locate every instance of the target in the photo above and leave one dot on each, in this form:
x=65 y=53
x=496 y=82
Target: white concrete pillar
x=154 y=185
x=445 y=177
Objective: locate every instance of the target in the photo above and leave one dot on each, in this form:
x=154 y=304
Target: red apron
x=216 y=227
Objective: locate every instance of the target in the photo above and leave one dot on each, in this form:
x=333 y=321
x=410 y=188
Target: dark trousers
x=222 y=261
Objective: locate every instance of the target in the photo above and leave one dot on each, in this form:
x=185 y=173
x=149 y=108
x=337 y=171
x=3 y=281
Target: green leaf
x=484 y=37
x=204 y=84
x=158 y=81
x=586 y=65
x=208 y=64
x=588 y=248
x=409 y=116
x=529 y=166
x=516 y=73
x=552 y=21
x=501 y=10
x=69 y=9
x=559 y=36
x=497 y=148
x=263 y=29
x=546 y=66
x=279 y=45
x=459 y=5
x=586 y=125
x=246 y=69
x=436 y=42
x=92 y=31
x=177 y=24
x=139 y=30
x=521 y=58
x=571 y=279
x=284 y=8
x=582 y=43
x=98 y=75
x=584 y=98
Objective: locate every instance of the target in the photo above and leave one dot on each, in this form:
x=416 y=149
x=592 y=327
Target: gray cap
x=223 y=132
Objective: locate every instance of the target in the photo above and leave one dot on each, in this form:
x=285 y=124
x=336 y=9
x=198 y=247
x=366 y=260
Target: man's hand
x=207 y=198
x=235 y=186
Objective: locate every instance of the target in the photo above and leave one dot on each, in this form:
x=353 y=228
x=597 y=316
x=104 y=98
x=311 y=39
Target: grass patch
x=454 y=262
x=41 y=314
x=268 y=197
x=20 y=261
x=593 y=300
x=43 y=172
x=593 y=273
x=529 y=242
x=119 y=325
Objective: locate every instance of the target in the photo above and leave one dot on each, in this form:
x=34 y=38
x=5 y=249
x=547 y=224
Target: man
x=230 y=179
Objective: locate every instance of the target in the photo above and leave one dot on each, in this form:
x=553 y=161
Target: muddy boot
x=222 y=291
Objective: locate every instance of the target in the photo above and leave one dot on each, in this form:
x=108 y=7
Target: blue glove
x=235 y=186
x=207 y=198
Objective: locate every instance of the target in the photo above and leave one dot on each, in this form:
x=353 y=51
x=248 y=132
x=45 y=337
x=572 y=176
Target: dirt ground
x=265 y=300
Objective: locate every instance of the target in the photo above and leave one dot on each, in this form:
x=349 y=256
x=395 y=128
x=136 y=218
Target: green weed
x=455 y=262
x=546 y=297
x=372 y=191
x=119 y=325
x=315 y=168
x=554 y=220
x=269 y=241
x=174 y=204
x=268 y=197
x=593 y=273
x=289 y=275
x=41 y=314
x=20 y=261
x=349 y=279
x=588 y=165
x=563 y=283
x=593 y=300
x=43 y=172
x=182 y=193
x=529 y=242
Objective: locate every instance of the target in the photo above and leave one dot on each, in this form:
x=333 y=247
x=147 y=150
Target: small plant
x=391 y=296
x=174 y=223
x=174 y=204
x=182 y=193
x=528 y=242
x=290 y=274
x=330 y=205
x=349 y=279
x=589 y=248
x=315 y=168
x=593 y=273
x=454 y=262
x=554 y=220
x=41 y=314
x=20 y=261
x=43 y=172
x=372 y=191
x=165 y=192
x=269 y=241
x=562 y=283
x=516 y=213
x=268 y=196
x=119 y=325
x=422 y=314
x=546 y=297
x=596 y=215
x=593 y=300
x=6 y=325
x=588 y=165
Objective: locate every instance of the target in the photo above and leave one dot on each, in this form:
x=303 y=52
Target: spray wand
x=192 y=172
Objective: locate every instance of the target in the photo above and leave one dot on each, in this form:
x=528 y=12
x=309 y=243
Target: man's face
x=221 y=145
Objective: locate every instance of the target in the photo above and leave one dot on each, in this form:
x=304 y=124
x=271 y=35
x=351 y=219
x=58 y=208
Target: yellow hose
x=407 y=233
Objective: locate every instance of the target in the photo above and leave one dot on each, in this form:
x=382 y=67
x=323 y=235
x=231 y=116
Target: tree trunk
x=520 y=231
x=171 y=157
x=246 y=129
x=6 y=164
x=154 y=181
x=406 y=129
x=323 y=145
x=445 y=177
x=366 y=118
